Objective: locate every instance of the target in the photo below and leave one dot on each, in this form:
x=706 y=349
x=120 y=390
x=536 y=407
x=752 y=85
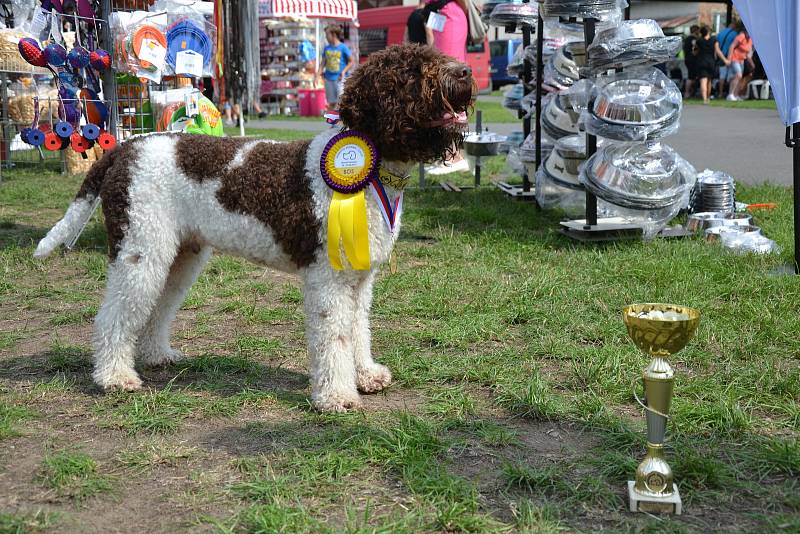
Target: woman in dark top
x=704 y=53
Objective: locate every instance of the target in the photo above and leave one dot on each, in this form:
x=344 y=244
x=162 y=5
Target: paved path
x=746 y=143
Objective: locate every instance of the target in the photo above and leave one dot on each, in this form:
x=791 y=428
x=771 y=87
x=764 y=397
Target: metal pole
x=796 y=172
x=591 y=141
x=729 y=13
x=478 y=158
x=539 y=74
x=109 y=80
x=526 y=78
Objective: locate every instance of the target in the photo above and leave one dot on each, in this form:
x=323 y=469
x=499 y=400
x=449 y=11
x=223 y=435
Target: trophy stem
x=654 y=489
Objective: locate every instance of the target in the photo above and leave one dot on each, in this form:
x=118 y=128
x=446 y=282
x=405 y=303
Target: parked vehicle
x=502 y=51
x=383 y=26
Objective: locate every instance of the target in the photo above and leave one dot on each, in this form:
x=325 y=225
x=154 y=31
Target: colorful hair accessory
x=107 y=141
x=52 y=142
x=186 y=35
x=79 y=144
x=36 y=137
x=55 y=54
x=63 y=129
x=78 y=57
x=90 y=131
x=100 y=60
x=348 y=162
x=31 y=52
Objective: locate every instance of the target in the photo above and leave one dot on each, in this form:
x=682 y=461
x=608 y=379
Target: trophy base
x=654 y=505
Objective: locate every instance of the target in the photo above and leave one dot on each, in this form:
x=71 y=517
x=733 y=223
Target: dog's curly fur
x=168 y=199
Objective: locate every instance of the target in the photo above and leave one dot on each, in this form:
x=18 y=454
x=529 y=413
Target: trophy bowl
x=660 y=329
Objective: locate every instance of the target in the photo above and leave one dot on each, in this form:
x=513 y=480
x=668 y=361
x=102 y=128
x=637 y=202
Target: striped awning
x=327 y=9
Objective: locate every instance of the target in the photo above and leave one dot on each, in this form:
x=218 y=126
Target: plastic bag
x=604 y=10
x=637 y=105
x=139 y=43
x=511 y=14
x=191 y=39
x=633 y=42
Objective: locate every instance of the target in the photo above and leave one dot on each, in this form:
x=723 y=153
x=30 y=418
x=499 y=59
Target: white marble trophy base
x=654 y=505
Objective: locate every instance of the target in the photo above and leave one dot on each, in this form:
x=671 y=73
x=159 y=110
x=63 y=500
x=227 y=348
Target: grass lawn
x=512 y=409
x=744 y=104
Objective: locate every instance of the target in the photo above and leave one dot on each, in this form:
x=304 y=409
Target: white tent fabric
x=775 y=28
x=327 y=9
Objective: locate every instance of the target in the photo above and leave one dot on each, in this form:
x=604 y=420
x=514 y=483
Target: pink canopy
x=326 y=9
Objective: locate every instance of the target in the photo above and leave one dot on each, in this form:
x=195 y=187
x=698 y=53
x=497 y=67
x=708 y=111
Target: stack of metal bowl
x=557 y=181
x=633 y=42
x=513 y=97
x=715 y=191
x=645 y=184
x=558 y=121
x=512 y=13
x=598 y=9
x=702 y=221
x=637 y=105
x=488 y=7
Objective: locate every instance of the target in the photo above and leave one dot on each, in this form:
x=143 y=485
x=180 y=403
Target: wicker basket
x=76 y=164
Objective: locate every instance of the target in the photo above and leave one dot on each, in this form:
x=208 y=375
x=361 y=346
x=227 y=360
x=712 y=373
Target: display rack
x=526 y=191
x=283 y=73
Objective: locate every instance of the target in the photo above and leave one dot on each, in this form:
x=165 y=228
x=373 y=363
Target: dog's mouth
x=455 y=120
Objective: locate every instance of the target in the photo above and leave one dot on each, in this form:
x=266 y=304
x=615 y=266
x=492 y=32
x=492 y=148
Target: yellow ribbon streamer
x=347 y=222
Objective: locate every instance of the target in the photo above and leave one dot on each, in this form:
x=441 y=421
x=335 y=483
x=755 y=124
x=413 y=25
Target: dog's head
x=411 y=101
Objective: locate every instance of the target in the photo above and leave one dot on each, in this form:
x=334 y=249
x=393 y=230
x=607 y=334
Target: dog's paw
x=118 y=381
x=373 y=378
x=154 y=357
x=336 y=402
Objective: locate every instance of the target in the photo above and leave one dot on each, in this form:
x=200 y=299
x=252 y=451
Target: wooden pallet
x=453 y=188
x=516 y=191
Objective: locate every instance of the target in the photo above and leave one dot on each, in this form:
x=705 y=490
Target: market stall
x=290 y=42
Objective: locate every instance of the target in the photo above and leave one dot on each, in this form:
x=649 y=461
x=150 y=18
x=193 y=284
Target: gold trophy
x=660 y=330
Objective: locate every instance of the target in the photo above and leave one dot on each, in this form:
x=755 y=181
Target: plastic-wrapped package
x=557 y=121
x=527 y=150
x=646 y=184
x=597 y=9
x=577 y=96
x=569 y=59
x=513 y=13
x=488 y=7
x=747 y=242
x=633 y=42
x=514 y=164
x=637 y=105
x=513 y=96
x=557 y=181
x=514 y=139
x=140 y=46
x=191 y=39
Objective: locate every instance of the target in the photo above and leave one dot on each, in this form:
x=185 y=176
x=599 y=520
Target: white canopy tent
x=774 y=26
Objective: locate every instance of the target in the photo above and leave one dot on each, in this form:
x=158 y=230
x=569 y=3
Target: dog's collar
x=395 y=181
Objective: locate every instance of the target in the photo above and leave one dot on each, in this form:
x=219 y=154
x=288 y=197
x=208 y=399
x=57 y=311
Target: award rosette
x=348 y=164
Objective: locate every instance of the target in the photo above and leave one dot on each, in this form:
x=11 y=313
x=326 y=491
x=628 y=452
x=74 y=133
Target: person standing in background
x=336 y=61
x=704 y=51
x=415 y=26
x=741 y=51
x=451 y=40
x=690 y=59
x=725 y=39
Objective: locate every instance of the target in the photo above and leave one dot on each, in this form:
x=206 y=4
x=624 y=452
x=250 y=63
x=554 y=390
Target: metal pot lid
x=641 y=176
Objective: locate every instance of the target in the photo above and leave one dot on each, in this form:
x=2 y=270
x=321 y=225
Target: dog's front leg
x=371 y=377
x=329 y=305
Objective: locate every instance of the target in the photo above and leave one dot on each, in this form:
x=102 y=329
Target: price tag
x=150 y=74
x=190 y=63
x=192 y=102
x=152 y=52
x=645 y=90
x=39 y=23
x=436 y=22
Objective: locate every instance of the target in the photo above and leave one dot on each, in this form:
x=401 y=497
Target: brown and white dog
x=169 y=199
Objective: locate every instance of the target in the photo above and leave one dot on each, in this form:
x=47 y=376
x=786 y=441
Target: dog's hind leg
x=153 y=345
x=135 y=282
x=329 y=304
x=371 y=377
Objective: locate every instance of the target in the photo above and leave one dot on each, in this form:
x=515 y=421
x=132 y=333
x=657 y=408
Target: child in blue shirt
x=337 y=60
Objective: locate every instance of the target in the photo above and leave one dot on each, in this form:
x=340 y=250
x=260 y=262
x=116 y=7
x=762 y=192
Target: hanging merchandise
x=189 y=49
x=511 y=14
x=557 y=181
x=645 y=184
x=636 y=105
x=633 y=42
x=602 y=10
x=557 y=120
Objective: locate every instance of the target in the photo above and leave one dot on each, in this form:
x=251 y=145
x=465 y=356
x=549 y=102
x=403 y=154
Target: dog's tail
x=80 y=210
